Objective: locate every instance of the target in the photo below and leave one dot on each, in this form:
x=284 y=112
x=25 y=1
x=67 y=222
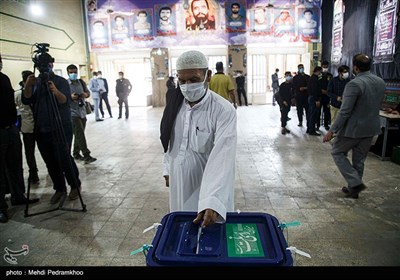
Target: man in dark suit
x=123 y=89
x=357 y=123
x=104 y=95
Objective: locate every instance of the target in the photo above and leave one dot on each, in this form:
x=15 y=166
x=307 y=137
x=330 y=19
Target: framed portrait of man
x=120 y=28
x=284 y=23
x=200 y=15
x=235 y=13
x=308 y=24
x=165 y=19
x=99 y=32
x=260 y=20
x=142 y=24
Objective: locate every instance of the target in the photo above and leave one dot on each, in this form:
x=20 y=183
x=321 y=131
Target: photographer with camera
x=79 y=92
x=50 y=96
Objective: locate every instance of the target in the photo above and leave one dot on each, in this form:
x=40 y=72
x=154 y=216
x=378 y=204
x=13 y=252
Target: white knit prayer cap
x=191 y=60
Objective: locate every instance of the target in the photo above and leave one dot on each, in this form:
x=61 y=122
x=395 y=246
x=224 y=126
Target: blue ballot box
x=246 y=239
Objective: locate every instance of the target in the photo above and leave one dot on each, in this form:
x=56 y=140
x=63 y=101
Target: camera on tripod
x=41 y=58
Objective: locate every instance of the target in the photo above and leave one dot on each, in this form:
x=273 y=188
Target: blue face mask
x=73 y=76
x=301 y=70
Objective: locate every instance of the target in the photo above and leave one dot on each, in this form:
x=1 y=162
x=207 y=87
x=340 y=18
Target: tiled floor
x=292 y=177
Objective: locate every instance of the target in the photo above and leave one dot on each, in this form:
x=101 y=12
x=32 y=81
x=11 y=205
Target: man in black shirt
x=324 y=81
x=11 y=170
x=285 y=96
x=335 y=90
x=300 y=82
x=314 y=100
x=123 y=89
x=240 y=84
x=51 y=97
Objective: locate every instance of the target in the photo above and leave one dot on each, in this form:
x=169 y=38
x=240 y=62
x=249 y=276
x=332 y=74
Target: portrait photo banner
x=385 y=31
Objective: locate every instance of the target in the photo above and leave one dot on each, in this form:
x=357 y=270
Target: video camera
x=41 y=58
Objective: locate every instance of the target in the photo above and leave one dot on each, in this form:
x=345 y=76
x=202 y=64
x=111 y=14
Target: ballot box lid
x=246 y=239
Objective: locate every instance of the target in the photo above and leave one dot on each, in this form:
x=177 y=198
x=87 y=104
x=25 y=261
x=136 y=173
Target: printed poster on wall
x=261 y=20
x=235 y=12
x=213 y=22
x=165 y=19
x=200 y=15
x=385 y=31
x=284 y=24
x=120 y=30
x=99 y=32
x=337 y=32
x=142 y=24
x=308 y=24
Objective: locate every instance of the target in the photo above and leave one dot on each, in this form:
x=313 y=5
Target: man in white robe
x=199 y=135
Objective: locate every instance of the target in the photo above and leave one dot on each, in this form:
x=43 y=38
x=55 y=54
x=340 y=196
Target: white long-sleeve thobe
x=200 y=160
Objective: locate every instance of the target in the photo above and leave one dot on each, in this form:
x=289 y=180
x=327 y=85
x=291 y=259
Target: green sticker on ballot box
x=243 y=241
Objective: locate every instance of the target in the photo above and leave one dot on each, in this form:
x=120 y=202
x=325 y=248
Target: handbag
x=88 y=107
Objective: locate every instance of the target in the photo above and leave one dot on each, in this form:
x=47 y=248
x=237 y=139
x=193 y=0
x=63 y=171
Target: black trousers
x=313 y=114
x=123 y=99
x=326 y=111
x=11 y=171
x=284 y=115
x=301 y=103
x=30 y=145
x=105 y=98
x=57 y=156
x=240 y=92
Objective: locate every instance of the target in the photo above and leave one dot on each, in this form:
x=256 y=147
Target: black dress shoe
x=353 y=192
x=314 y=133
x=3 y=217
x=23 y=200
x=346 y=191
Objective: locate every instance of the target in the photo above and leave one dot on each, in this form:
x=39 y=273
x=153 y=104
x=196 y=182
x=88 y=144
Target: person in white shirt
x=199 y=136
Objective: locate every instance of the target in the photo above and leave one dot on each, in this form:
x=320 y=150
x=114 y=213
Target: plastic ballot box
x=246 y=239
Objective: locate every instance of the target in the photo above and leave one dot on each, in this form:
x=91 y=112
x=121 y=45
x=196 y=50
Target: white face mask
x=99 y=76
x=120 y=76
x=345 y=75
x=325 y=70
x=193 y=92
